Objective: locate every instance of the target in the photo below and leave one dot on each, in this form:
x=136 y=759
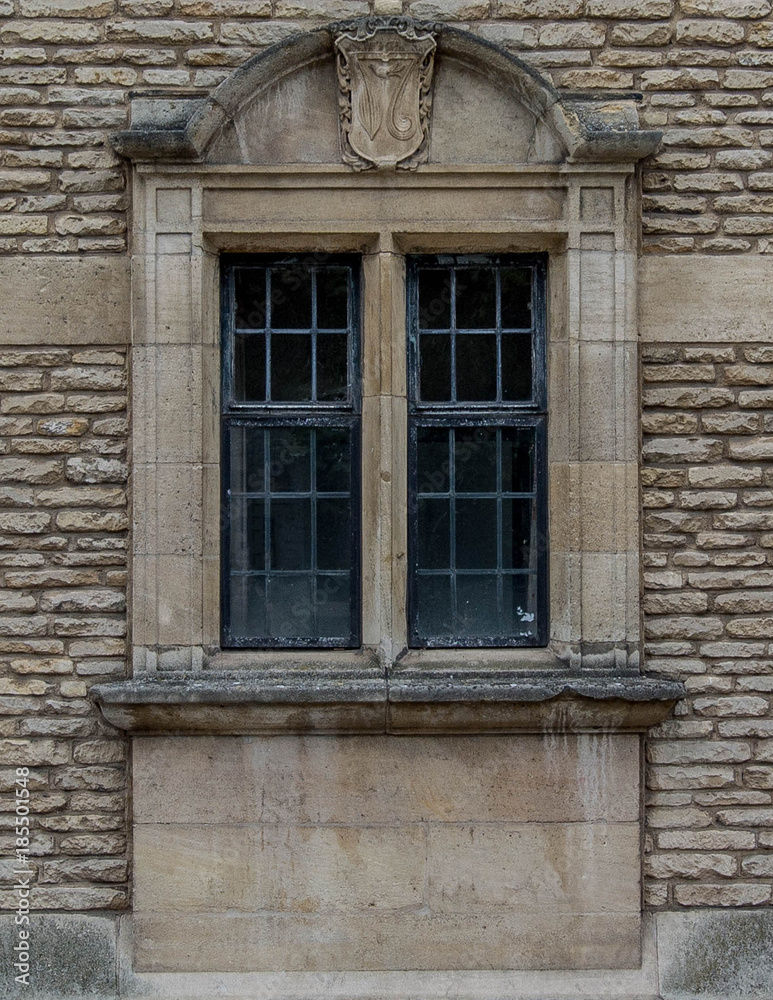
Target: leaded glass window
x=291 y=412
x=477 y=437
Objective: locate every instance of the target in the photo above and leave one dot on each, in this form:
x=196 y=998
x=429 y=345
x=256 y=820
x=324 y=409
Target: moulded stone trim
x=589 y=130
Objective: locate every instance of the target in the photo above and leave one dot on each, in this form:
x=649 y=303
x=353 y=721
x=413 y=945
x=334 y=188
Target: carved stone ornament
x=384 y=75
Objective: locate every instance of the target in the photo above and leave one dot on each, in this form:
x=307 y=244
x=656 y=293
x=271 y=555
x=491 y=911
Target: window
x=573 y=200
x=478 y=516
x=291 y=412
x=476 y=451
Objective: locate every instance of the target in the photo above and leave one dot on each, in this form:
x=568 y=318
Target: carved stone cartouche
x=385 y=76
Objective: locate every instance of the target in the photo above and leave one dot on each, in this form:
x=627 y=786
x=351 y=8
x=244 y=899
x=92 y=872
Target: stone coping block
x=413 y=700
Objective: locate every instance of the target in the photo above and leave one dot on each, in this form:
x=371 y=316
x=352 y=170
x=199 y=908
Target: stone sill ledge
x=402 y=702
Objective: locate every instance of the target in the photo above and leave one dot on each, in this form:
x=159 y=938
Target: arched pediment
x=480 y=104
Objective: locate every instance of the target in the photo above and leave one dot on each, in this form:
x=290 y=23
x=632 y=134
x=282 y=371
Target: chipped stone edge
x=409 y=701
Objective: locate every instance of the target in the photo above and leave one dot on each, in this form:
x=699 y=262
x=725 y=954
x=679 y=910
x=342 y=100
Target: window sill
x=416 y=696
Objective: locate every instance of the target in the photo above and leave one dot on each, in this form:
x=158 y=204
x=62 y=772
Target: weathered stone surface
x=77 y=955
x=455 y=940
x=722 y=953
x=682 y=449
x=700 y=281
x=270 y=761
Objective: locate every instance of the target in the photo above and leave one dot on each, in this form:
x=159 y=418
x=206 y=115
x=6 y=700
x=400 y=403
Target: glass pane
x=290 y=607
x=247 y=459
x=333 y=459
x=516 y=298
x=476 y=299
x=518 y=445
x=434 y=534
x=250 y=295
x=290 y=367
x=332 y=367
x=332 y=298
x=476 y=459
x=249 y=367
x=290 y=526
x=435 y=367
x=519 y=534
x=334 y=612
x=291 y=298
x=476 y=366
x=519 y=604
x=334 y=539
x=434 y=299
x=432 y=461
x=476 y=605
x=290 y=467
x=476 y=534
x=516 y=366
x=248 y=606
x=434 y=607
x=248 y=539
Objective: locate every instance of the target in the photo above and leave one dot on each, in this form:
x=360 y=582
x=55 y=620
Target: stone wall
x=708 y=577
x=63 y=543
x=705 y=68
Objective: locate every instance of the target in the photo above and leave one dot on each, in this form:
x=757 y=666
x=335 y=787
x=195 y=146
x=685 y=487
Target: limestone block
x=380 y=941
x=534 y=867
x=597 y=373
x=278 y=868
x=597 y=291
x=178 y=404
x=180 y=594
x=44 y=302
x=173 y=288
x=704 y=289
x=347 y=206
x=604 y=590
x=400 y=780
x=476 y=122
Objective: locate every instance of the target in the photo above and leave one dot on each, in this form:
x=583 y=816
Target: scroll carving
x=385 y=98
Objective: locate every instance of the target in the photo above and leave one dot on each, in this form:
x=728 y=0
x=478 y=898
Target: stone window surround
x=584 y=216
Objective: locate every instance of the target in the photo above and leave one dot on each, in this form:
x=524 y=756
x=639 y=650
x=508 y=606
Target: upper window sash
x=286 y=333
x=473 y=322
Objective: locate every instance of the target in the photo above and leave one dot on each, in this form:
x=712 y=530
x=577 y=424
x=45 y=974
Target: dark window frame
x=273 y=414
x=530 y=413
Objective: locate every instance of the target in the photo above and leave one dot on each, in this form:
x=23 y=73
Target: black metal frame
x=311 y=415
x=529 y=413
